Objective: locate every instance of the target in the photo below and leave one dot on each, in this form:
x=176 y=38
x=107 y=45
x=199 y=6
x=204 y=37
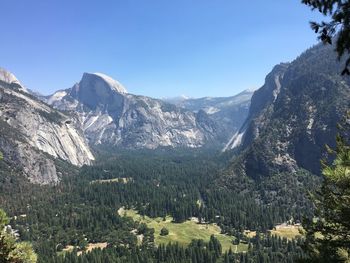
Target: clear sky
x=159 y=48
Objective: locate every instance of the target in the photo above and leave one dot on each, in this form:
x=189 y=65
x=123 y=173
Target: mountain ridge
x=228 y=112
x=126 y=120
x=292 y=116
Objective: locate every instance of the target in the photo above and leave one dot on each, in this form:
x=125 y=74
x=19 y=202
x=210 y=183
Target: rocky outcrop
x=109 y=115
x=33 y=135
x=260 y=108
x=8 y=78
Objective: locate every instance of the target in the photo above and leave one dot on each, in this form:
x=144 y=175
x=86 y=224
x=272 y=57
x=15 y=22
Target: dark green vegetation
x=164 y=231
x=328 y=235
x=338 y=25
x=10 y=250
x=77 y=212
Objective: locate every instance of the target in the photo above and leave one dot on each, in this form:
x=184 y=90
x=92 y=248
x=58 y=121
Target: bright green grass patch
x=185 y=232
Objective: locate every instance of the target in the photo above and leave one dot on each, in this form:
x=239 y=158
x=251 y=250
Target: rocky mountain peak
x=101 y=82
x=113 y=84
x=96 y=90
x=9 y=78
x=109 y=115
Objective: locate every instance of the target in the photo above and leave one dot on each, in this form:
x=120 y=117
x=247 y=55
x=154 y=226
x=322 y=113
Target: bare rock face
x=33 y=135
x=9 y=78
x=39 y=168
x=260 y=108
x=109 y=115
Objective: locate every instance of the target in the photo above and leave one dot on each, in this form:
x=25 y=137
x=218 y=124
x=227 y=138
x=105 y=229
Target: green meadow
x=185 y=232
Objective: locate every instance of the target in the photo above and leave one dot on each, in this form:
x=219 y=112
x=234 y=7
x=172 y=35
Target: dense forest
x=83 y=209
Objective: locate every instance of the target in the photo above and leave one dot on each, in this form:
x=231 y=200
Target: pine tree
x=10 y=250
x=338 y=25
x=328 y=235
x=226 y=258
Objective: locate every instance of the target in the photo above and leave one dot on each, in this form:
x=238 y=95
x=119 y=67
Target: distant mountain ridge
x=281 y=127
x=111 y=116
x=228 y=112
x=38 y=130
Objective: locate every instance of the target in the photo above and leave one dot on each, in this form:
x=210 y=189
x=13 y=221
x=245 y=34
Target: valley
x=93 y=173
x=82 y=210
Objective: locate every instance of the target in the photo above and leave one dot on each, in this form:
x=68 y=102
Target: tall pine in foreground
x=10 y=250
x=328 y=234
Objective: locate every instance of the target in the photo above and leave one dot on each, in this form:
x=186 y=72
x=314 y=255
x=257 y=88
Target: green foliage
x=328 y=235
x=164 y=231
x=4 y=220
x=264 y=248
x=10 y=250
x=339 y=25
x=23 y=253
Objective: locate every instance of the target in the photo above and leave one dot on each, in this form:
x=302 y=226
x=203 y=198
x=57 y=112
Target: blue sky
x=158 y=48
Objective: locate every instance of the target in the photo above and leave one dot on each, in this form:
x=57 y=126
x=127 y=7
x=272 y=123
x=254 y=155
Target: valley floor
x=185 y=232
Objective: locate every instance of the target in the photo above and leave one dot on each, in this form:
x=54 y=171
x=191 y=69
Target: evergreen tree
x=164 y=231
x=328 y=235
x=10 y=250
x=339 y=25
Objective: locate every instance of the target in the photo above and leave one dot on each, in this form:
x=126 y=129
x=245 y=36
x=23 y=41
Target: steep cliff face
x=293 y=116
x=109 y=115
x=260 y=109
x=33 y=135
x=228 y=113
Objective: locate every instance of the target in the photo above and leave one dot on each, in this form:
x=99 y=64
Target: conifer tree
x=339 y=25
x=10 y=250
x=328 y=234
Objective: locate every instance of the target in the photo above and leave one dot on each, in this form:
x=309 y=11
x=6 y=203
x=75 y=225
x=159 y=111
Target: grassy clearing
x=89 y=248
x=249 y=233
x=92 y=246
x=289 y=231
x=183 y=233
x=68 y=248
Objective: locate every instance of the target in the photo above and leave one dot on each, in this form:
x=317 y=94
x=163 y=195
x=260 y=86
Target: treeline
x=197 y=251
x=262 y=249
